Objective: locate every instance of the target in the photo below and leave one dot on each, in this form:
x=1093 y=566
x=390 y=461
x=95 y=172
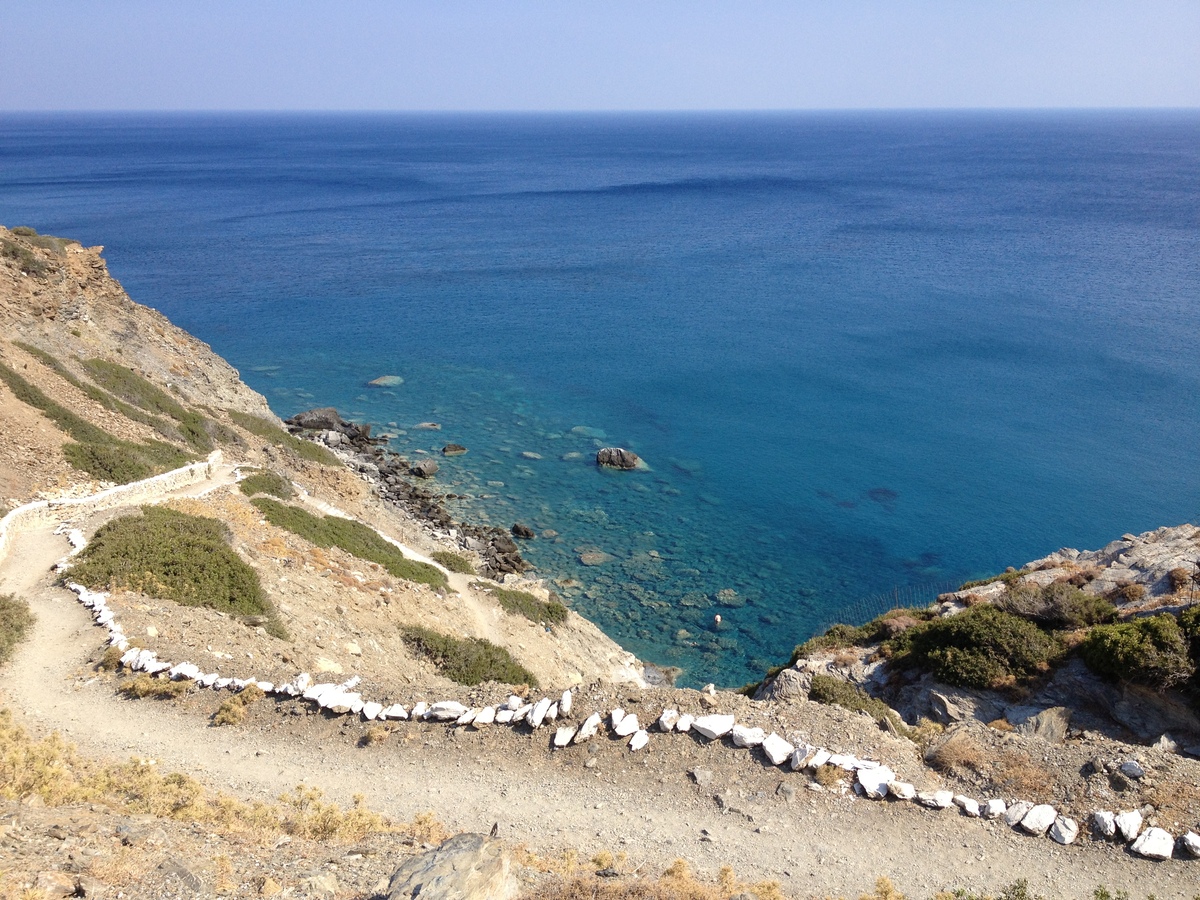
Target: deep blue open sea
x=866 y=356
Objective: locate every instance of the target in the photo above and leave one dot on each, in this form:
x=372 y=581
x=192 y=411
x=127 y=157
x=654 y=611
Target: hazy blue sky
x=605 y=54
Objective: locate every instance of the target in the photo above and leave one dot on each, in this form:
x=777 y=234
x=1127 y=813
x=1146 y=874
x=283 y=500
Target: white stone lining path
x=871 y=779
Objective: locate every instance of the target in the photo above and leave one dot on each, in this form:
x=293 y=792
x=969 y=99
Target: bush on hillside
x=839 y=637
x=15 y=622
x=455 y=562
x=1057 y=605
x=983 y=647
x=837 y=692
x=174 y=556
x=131 y=387
x=468 y=661
x=264 y=482
x=269 y=431
x=1152 y=651
x=522 y=603
x=352 y=536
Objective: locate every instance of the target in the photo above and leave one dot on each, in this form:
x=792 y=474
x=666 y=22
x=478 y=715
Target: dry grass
x=959 y=755
x=52 y=770
x=110 y=661
x=1177 y=803
x=829 y=776
x=375 y=734
x=232 y=711
x=143 y=685
x=1019 y=774
x=676 y=883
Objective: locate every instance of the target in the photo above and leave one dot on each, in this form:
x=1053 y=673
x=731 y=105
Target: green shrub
x=266 y=483
x=468 y=661
x=97 y=452
x=455 y=562
x=1058 y=605
x=1009 y=578
x=56 y=245
x=1152 y=651
x=131 y=387
x=267 y=430
x=983 y=647
x=27 y=261
x=174 y=556
x=352 y=536
x=839 y=637
x=15 y=622
x=836 y=692
x=522 y=603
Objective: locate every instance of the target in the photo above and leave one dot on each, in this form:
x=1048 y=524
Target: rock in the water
x=453 y=450
x=1129 y=823
x=1104 y=823
x=1039 y=819
x=386 y=381
x=428 y=426
x=627 y=726
x=1064 y=830
x=901 y=790
x=666 y=722
x=325 y=418
x=639 y=740
x=466 y=867
x=875 y=781
x=589 y=728
x=993 y=809
x=423 y=468
x=1190 y=842
x=714 y=726
x=1016 y=812
x=1154 y=843
x=777 y=750
x=564 y=736
x=445 y=711
x=747 y=737
x=524 y=532
x=617 y=458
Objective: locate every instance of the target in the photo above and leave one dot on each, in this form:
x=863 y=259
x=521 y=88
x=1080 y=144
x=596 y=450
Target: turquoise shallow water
x=866 y=356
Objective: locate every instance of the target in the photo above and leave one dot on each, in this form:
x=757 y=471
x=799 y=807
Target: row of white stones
x=871 y=779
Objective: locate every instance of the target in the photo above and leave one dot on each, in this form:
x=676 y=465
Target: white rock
x=468 y=717
x=1039 y=819
x=714 y=726
x=1016 y=812
x=1154 y=843
x=639 y=740
x=777 y=750
x=265 y=686
x=935 y=799
x=538 y=714
x=969 y=806
x=819 y=758
x=842 y=761
x=1129 y=824
x=130 y=655
x=221 y=683
x=666 y=722
x=1104 y=823
x=615 y=717
x=875 y=781
x=356 y=704
x=513 y=703
x=1064 y=830
x=445 y=711
x=1131 y=768
x=1191 y=843
x=209 y=680
x=802 y=755
x=994 y=808
x=155 y=667
x=551 y=713
x=486 y=716
x=684 y=725
x=418 y=711
x=902 y=790
x=351 y=682
x=372 y=710
x=564 y=735
x=522 y=714
x=747 y=737
x=302 y=681
x=395 y=711
x=184 y=671
x=588 y=729
x=504 y=716
x=627 y=725
x=565 y=703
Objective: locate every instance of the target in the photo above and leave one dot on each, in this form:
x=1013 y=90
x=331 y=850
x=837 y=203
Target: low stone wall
x=41 y=513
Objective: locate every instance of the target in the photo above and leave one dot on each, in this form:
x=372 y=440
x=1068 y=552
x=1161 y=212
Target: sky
x=551 y=55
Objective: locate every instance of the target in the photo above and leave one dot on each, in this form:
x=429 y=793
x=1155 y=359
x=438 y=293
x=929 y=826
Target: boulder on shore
x=325 y=418
x=523 y=531
x=617 y=458
x=424 y=468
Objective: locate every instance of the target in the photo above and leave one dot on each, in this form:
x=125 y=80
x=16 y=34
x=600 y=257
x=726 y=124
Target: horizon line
x=603 y=111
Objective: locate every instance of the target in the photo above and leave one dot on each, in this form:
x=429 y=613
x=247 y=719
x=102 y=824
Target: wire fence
x=864 y=609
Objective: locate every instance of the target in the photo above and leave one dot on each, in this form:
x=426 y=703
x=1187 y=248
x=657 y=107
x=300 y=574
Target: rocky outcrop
x=465 y=867
x=618 y=458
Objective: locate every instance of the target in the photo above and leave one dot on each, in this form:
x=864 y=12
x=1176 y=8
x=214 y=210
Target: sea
x=864 y=356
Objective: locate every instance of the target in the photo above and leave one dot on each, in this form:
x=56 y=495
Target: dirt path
x=644 y=805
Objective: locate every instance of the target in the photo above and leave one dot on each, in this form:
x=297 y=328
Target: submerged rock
x=425 y=468
x=617 y=458
x=453 y=450
x=523 y=531
x=386 y=381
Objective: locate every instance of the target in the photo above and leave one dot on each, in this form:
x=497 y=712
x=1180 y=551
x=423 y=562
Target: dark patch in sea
x=885 y=497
